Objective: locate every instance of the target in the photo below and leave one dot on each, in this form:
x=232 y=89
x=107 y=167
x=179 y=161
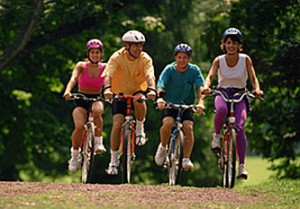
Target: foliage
x=41 y=41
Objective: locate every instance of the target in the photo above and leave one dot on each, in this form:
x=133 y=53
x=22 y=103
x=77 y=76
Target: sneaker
x=243 y=174
x=99 y=149
x=75 y=161
x=187 y=164
x=216 y=143
x=141 y=140
x=112 y=169
x=160 y=155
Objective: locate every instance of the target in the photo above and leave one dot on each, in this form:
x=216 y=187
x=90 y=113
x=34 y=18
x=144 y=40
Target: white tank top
x=232 y=76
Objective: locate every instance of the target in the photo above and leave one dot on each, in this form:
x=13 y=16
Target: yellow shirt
x=128 y=76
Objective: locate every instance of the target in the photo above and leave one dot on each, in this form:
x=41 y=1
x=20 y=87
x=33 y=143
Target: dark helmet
x=183 y=48
x=94 y=44
x=233 y=32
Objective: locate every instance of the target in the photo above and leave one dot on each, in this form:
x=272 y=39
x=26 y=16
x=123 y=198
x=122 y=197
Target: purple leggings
x=240 y=110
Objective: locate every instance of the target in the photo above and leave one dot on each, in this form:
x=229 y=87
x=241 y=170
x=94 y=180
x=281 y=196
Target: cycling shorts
x=83 y=103
x=186 y=114
x=120 y=106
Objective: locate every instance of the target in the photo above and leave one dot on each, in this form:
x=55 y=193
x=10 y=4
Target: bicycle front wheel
x=126 y=154
x=175 y=159
x=88 y=154
x=230 y=160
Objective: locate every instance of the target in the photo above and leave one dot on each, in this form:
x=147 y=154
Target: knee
x=188 y=127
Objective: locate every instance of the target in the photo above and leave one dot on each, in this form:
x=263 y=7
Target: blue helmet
x=233 y=32
x=183 y=48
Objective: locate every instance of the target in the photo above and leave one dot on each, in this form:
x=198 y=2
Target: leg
x=165 y=132
x=189 y=138
x=221 y=113
x=79 y=118
x=97 y=110
x=241 y=116
x=140 y=110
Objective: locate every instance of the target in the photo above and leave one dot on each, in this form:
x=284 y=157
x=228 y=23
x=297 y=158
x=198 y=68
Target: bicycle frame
x=174 y=157
x=127 y=146
x=228 y=153
x=87 y=148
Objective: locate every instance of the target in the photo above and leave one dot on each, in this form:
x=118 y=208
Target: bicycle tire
x=230 y=160
x=126 y=154
x=175 y=159
x=88 y=154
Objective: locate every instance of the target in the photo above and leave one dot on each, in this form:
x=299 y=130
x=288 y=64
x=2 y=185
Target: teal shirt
x=180 y=88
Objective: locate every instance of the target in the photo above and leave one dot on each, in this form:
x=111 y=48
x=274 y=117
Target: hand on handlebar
x=161 y=103
x=151 y=95
x=67 y=95
x=108 y=95
x=206 y=91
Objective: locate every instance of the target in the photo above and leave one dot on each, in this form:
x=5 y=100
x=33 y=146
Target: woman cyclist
x=233 y=69
x=88 y=75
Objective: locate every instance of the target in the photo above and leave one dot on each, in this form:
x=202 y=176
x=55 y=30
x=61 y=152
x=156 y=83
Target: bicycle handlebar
x=125 y=97
x=181 y=106
x=240 y=95
x=76 y=96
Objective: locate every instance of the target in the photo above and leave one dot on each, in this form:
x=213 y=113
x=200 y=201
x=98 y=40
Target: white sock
x=98 y=139
x=114 y=157
x=75 y=152
x=140 y=127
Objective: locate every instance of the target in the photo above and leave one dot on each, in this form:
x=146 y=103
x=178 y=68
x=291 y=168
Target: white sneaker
x=160 y=155
x=99 y=149
x=187 y=164
x=243 y=174
x=112 y=169
x=75 y=161
x=141 y=139
x=216 y=142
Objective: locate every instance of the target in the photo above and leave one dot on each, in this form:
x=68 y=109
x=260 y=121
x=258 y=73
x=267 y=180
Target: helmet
x=133 y=36
x=183 y=48
x=94 y=44
x=234 y=32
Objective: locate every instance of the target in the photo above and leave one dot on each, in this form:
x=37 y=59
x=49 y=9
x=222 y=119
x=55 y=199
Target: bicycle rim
x=179 y=154
x=230 y=164
x=126 y=154
x=88 y=154
x=85 y=161
x=175 y=160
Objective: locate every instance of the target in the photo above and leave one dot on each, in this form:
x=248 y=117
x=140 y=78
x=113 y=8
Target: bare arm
x=252 y=76
x=73 y=80
x=211 y=74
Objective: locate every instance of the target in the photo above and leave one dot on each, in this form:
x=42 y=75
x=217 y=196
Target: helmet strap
x=130 y=52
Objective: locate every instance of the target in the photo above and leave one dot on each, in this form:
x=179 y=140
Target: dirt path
x=147 y=196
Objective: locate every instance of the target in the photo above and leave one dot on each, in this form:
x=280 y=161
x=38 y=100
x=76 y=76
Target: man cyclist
x=129 y=71
x=179 y=81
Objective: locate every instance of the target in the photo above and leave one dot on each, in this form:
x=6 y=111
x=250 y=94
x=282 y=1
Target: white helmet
x=133 y=36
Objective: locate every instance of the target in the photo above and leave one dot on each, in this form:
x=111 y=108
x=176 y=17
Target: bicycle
x=173 y=161
x=127 y=146
x=228 y=152
x=87 y=148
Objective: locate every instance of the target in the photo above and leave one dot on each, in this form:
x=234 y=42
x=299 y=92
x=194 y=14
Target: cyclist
x=88 y=75
x=129 y=71
x=178 y=82
x=233 y=68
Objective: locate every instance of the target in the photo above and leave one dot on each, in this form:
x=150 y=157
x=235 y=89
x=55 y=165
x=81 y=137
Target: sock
x=140 y=127
x=99 y=140
x=114 y=157
x=75 y=152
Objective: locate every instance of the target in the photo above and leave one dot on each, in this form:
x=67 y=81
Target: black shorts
x=83 y=103
x=120 y=106
x=186 y=114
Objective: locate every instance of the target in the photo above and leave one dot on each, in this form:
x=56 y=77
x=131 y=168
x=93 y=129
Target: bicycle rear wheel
x=230 y=160
x=175 y=159
x=88 y=154
x=126 y=154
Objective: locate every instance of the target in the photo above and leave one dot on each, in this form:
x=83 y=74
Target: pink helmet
x=94 y=44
